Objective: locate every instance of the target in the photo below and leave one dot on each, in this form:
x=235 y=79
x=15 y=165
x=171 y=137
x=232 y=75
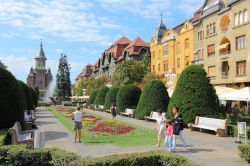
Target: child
x=169 y=135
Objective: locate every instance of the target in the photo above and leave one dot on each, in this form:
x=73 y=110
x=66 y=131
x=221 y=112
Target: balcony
x=224 y=54
x=224 y=75
x=198 y=62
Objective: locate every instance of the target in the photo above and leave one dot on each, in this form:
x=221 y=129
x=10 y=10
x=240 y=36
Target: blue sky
x=82 y=29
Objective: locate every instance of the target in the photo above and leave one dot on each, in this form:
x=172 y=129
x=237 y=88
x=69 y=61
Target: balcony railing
x=225 y=53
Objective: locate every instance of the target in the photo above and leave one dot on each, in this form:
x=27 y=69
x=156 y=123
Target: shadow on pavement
x=52 y=135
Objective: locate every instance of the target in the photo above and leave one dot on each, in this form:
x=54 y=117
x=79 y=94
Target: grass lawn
x=3 y=133
x=140 y=136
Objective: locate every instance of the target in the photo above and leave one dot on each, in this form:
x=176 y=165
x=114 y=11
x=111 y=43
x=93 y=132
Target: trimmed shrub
x=11 y=106
x=110 y=97
x=127 y=97
x=100 y=97
x=92 y=97
x=245 y=152
x=19 y=155
x=154 y=97
x=153 y=158
x=35 y=97
x=194 y=95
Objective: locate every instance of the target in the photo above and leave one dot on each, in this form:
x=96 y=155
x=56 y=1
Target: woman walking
x=178 y=128
x=113 y=110
x=160 y=125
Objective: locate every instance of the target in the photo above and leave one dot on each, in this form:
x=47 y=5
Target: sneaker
x=157 y=145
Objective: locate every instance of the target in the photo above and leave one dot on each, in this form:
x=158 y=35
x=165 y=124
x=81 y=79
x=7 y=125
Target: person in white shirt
x=77 y=117
x=160 y=125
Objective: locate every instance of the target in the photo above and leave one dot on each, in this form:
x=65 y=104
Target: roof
x=40 y=54
x=116 y=48
x=137 y=42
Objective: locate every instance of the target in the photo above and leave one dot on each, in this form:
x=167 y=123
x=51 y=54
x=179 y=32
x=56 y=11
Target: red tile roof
x=132 y=48
x=117 y=47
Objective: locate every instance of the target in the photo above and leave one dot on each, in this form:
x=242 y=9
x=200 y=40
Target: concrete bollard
x=39 y=138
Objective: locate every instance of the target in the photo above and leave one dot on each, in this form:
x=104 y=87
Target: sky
x=81 y=29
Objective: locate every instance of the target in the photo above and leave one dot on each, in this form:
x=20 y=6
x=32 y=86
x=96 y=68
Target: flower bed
x=111 y=128
x=89 y=120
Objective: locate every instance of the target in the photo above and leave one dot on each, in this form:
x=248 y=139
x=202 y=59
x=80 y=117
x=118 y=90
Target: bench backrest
x=216 y=123
x=129 y=111
x=154 y=115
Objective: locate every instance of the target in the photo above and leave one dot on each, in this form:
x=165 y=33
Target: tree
x=194 y=95
x=154 y=97
x=63 y=83
x=29 y=98
x=35 y=97
x=11 y=107
x=146 y=62
x=100 y=97
x=150 y=76
x=92 y=97
x=110 y=97
x=37 y=92
x=79 y=86
x=128 y=72
x=93 y=84
x=127 y=97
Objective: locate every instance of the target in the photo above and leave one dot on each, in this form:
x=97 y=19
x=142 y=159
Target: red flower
x=110 y=128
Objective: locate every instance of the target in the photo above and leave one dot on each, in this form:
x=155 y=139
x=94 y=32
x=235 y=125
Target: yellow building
x=172 y=50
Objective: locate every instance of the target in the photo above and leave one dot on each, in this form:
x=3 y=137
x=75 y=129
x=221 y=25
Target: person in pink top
x=169 y=135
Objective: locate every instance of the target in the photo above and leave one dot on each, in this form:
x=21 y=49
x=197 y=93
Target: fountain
x=49 y=92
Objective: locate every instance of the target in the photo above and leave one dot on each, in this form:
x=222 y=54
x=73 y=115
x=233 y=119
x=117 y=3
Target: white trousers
x=181 y=138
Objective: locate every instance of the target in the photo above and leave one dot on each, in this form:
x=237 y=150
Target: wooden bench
x=20 y=137
x=153 y=116
x=217 y=125
x=128 y=112
x=99 y=108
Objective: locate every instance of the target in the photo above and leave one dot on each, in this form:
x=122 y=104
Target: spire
x=160 y=29
x=40 y=54
x=31 y=72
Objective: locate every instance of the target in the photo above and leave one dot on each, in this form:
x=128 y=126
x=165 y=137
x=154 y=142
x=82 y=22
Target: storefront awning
x=222 y=46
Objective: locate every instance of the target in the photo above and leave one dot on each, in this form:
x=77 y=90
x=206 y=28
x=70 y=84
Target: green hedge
x=18 y=155
x=154 y=97
x=153 y=158
x=195 y=95
x=127 y=97
x=92 y=97
x=110 y=97
x=100 y=97
x=232 y=131
x=11 y=107
x=245 y=152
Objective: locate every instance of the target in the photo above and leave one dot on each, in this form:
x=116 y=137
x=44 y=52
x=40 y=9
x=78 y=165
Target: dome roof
x=160 y=29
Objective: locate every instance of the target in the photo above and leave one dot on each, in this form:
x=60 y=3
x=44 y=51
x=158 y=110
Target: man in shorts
x=77 y=117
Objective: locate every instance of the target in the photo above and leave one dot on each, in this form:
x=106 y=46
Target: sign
x=242 y=131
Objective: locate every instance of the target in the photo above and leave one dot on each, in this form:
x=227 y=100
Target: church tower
x=40 y=76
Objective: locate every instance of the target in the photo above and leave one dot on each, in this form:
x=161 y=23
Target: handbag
x=177 y=129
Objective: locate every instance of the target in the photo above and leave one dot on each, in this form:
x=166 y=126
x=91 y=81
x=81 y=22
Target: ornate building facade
x=221 y=35
x=40 y=76
x=171 y=49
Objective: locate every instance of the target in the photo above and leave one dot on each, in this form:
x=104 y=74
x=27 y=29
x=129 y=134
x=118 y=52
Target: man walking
x=77 y=117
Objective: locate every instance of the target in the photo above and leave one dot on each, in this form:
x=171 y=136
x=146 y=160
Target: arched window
x=245 y=16
x=241 y=17
x=214 y=28
x=236 y=19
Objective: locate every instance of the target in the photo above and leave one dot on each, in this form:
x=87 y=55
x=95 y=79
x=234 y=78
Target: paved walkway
x=205 y=149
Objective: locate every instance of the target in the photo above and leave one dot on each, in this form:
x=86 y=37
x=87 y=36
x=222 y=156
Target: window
x=210 y=50
x=245 y=16
x=241 y=68
x=241 y=42
x=159 y=67
x=200 y=35
x=236 y=19
x=178 y=63
x=178 y=50
x=198 y=55
x=207 y=30
x=153 y=68
x=211 y=29
x=165 y=66
x=187 y=43
x=214 y=28
x=211 y=71
x=241 y=17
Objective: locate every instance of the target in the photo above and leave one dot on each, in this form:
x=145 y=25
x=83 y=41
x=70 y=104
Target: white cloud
x=72 y=20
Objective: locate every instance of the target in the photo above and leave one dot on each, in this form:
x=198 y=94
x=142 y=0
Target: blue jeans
x=181 y=138
x=168 y=142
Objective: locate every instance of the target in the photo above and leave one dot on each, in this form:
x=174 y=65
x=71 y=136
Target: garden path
x=205 y=149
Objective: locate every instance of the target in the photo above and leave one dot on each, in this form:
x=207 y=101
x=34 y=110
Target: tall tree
x=63 y=83
x=79 y=86
x=146 y=62
x=128 y=72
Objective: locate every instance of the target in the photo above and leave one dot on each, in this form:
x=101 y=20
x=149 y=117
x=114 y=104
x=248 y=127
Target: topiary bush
x=110 y=97
x=245 y=152
x=154 y=97
x=10 y=104
x=127 y=97
x=100 y=97
x=194 y=95
x=35 y=97
x=92 y=97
